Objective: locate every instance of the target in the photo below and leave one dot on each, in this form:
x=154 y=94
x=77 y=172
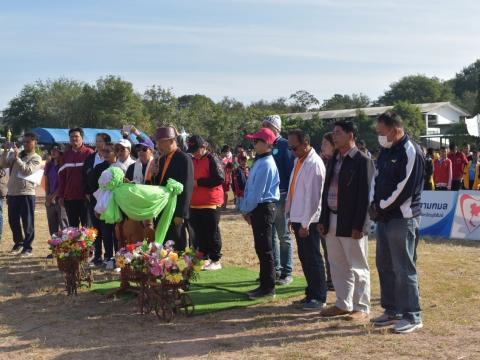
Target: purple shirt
x=51 y=172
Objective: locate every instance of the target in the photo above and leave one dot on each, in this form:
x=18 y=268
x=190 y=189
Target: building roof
x=49 y=136
x=371 y=111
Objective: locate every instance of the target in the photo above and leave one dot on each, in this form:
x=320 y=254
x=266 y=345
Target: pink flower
x=156 y=269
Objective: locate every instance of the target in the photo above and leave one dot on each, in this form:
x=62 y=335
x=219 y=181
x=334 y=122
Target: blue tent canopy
x=48 y=136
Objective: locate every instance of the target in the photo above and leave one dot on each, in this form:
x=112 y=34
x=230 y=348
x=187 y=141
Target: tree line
x=112 y=102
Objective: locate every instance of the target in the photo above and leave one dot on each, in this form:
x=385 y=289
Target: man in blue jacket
x=281 y=237
x=258 y=208
x=395 y=200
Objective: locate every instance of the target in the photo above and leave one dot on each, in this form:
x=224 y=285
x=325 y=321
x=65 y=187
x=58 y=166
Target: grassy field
x=38 y=321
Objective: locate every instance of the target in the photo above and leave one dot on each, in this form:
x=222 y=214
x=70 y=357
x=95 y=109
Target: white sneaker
x=214 y=265
x=206 y=264
x=404 y=326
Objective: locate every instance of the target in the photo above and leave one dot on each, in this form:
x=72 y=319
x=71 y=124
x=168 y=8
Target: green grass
x=222 y=289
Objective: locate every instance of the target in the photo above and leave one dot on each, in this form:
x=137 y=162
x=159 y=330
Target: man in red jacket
x=71 y=188
x=207 y=198
x=459 y=161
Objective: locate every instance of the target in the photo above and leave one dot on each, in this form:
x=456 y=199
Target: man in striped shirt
x=71 y=188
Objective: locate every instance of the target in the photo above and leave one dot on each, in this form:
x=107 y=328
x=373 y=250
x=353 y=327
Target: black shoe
x=261 y=293
x=96 y=262
x=50 y=256
x=284 y=280
x=301 y=302
x=253 y=291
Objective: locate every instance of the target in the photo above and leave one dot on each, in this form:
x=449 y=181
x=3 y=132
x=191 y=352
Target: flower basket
x=163 y=276
x=72 y=248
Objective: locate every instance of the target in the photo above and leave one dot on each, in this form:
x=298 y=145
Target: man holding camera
x=21 y=192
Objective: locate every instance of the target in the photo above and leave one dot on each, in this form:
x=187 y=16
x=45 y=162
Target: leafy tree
x=303 y=100
x=466 y=87
x=117 y=104
x=459 y=135
x=413 y=120
x=23 y=111
x=161 y=105
x=366 y=130
x=339 y=102
x=417 y=89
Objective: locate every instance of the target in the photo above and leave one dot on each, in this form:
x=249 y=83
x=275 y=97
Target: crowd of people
x=325 y=201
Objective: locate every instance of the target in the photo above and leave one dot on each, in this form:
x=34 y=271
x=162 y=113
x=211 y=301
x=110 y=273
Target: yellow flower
x=120 y=262
x=197 y=268
x=181 y=264
x=173 y=256
x=163 y=253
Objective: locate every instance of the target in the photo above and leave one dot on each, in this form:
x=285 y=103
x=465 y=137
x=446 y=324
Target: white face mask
x=383 y=141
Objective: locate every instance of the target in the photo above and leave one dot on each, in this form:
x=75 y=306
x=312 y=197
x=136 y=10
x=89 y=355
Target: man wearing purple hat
x=177 y=165
x=258 y=207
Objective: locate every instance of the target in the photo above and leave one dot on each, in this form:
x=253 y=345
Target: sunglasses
x=255 y=141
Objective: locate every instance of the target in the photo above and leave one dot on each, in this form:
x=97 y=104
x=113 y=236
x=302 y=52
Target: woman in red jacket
x=207 y=198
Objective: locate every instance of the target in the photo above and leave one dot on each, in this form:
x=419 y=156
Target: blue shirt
x=473 y=166
x=284 y=160
x=262 y=184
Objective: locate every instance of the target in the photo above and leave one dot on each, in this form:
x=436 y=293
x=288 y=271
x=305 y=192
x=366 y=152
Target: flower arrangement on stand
x=72 y=248
x=167 y=275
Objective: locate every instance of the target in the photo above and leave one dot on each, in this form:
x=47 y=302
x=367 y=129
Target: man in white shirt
x=303 y=208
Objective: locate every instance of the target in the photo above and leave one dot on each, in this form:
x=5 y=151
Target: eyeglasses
x=255 y=141
x=293 y=148
x=142 y=148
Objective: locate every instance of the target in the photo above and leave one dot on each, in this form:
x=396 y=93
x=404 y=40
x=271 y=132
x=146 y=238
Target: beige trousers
x=349 y=268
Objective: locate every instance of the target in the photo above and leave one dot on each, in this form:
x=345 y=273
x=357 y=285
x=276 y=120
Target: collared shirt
x=296 y=169
x=332 y=196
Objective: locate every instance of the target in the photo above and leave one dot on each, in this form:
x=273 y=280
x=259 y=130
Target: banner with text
x=438 y=212
x=466 y=224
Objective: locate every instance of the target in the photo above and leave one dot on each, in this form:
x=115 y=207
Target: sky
x=245 y=49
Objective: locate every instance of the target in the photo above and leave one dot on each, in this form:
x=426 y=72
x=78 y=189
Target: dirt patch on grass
x=38 y=321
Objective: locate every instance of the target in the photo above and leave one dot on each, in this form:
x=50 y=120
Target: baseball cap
x=146 y=143
x=195 y=142
x=274 y=120
x=264 y=134
x=125 y=143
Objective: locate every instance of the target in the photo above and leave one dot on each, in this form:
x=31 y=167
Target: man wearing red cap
x=258 y=208
x=175 y=164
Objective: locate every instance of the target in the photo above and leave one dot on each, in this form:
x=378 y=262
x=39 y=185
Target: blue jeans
x=282 y=241
x=312 y=263
x=396 y=268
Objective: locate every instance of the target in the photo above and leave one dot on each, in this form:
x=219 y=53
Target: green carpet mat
x=222 y=289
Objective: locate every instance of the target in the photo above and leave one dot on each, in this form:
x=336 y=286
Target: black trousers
x=110 y=242
x=97 y=224
x=262 y=218
x=312 y=262
x=457 y=185
x=179 y=235
x=21 y=216
x=76 y=212
x=206 y=233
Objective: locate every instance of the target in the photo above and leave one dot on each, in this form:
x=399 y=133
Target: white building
x=439 y=117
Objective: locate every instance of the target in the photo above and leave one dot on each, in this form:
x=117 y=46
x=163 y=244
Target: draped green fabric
x=141 y=202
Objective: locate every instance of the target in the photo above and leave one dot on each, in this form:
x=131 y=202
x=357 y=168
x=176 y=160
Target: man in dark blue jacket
x=281 y=237
x=395 y=200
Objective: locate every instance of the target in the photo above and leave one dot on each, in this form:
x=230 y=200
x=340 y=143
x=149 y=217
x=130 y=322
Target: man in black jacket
x=177 y=165
x=343 y=220
x=395 y=198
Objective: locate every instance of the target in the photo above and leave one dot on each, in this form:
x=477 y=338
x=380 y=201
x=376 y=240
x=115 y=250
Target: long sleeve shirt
x=304 y=198
x=262 y=184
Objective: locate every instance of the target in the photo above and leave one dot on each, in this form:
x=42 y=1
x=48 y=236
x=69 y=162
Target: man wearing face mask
x=395 y=205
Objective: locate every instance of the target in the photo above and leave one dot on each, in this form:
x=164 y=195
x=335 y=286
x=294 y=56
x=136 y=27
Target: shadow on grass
x=453 y=242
